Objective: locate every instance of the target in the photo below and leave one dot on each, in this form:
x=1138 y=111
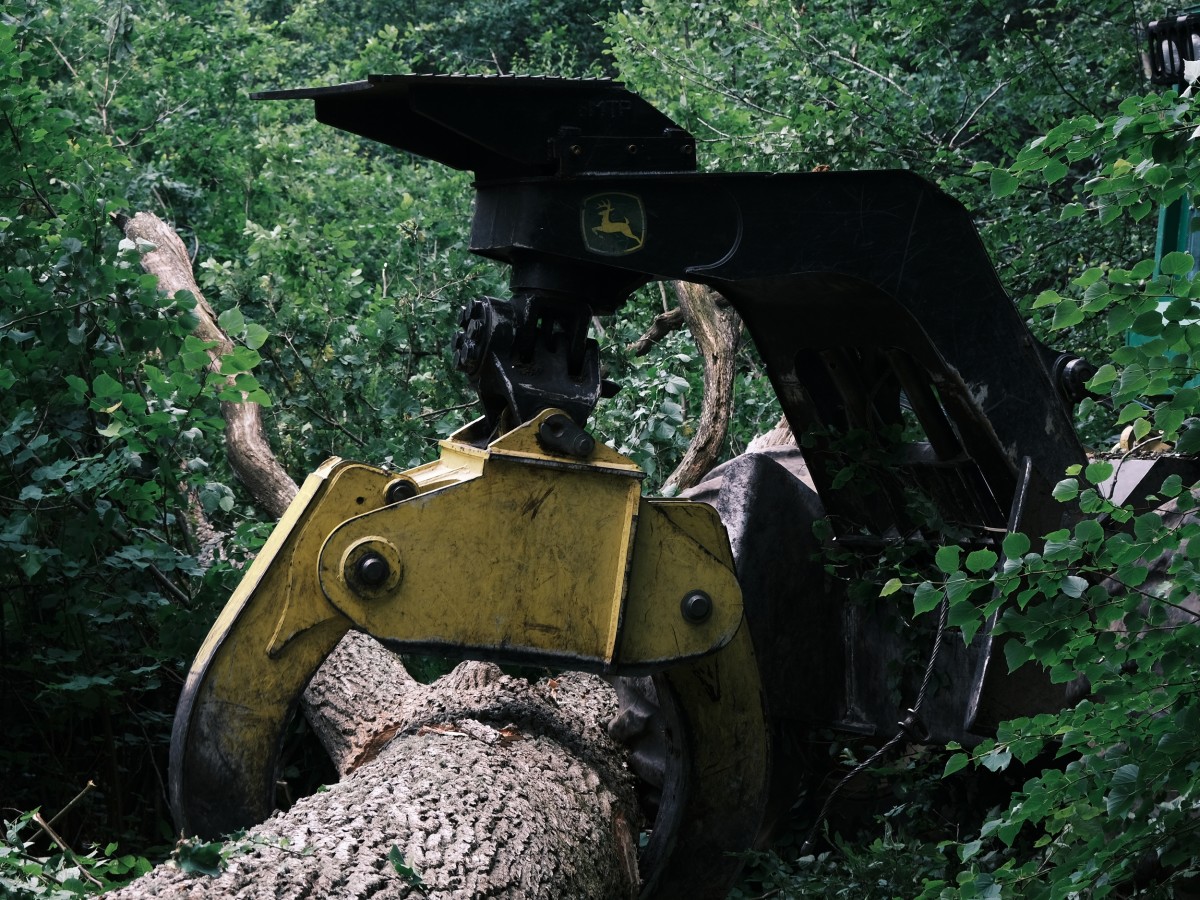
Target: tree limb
x=250 y=453
x=482 y=784
x=663 y=324
x=716 y=328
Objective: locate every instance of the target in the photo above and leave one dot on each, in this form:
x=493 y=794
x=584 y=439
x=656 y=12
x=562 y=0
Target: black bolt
x=560 y=434
x=467 y=353
x=400 y=490
x=696 y=607
x=372 y=570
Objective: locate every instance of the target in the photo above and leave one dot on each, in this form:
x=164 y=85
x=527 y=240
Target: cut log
x=484 y=785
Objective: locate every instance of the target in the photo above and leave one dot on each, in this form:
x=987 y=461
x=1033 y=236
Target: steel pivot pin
x=372 y=570
x=696 y=607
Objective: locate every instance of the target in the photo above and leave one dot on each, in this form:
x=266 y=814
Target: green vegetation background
x=339 y=266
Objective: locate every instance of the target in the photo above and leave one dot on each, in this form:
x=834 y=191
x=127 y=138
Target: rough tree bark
x=485 y=784
x=716 y=328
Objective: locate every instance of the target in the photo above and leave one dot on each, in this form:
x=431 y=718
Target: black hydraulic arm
x=857 y=287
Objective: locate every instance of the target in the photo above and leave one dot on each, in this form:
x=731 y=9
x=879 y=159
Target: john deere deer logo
x=613 y=224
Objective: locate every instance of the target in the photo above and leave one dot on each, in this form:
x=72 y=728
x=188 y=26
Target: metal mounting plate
x=506 y=126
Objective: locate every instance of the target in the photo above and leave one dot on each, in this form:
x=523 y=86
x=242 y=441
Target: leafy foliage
x=947 y=91
x=104 y=418
x=26 y=875
x=1112 y=597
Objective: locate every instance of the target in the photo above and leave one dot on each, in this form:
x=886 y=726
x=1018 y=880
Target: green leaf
x=1122 y=790
x=955 y=763
x=1047 y=298
x=1099 y=471
x=239 y=359
x=1148 y=324
x=1066 y=314
x=980 y=560
x=1172 y=486
x=1066 y=490
x=926 y=598
x=1015 y=545
x=996 y=759
x=1002 y=182
x=1176 y=263
x=1016 y=654
x=969 y=849
x=946 y=558
x=1103 y=378
x=106 y=387
x=197 y=858
x=1189 y=440
x=1142 y=270
x=893 y=585
x=1089 y=531
x=396 y=858
x=255 y=336
x=1073 y=586
x=1055 y=170
x=232 y=321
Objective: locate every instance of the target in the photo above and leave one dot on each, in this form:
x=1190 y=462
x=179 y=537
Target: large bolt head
x=372 y=570
x=696 y=607
x=400 y=490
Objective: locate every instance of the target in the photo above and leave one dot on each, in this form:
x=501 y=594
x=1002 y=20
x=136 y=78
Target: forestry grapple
x=893 y=350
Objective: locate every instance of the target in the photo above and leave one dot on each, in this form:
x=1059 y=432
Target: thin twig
x=87 y=788
x=44 y=312
x=867 y=69
x=338 y=425
x=984 y=102
x=663 y=324
x=438 y=412
x=50 y=833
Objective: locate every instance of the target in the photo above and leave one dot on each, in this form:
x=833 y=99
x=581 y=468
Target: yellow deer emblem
x=628 y=224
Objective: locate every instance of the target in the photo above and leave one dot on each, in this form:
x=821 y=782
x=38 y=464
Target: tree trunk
x=483 y=785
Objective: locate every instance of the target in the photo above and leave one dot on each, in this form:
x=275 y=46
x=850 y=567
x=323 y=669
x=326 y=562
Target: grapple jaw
x=511 y=552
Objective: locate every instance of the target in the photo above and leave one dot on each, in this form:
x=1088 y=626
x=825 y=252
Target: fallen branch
x=250 y=453
x=477 y=785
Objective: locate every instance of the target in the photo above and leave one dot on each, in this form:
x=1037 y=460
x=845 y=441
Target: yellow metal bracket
x=509 y=552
